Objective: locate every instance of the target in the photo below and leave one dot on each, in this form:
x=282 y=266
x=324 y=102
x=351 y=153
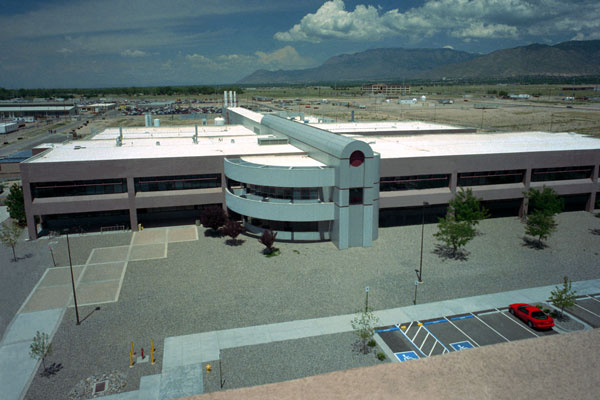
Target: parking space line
x=424 y=340
x=585 y=309
x=594 y=298
x=437 y=340
x=431 y=351
x=463 y=332
x=483 y=322
x=409 y=339
x=518 y=324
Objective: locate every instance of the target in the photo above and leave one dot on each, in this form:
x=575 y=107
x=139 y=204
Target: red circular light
x=356 y=158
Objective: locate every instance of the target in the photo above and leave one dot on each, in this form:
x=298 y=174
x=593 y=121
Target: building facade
x=337 y=182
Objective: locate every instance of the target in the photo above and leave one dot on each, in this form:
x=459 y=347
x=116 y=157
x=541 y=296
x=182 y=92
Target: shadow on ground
x=533 y=243
x=448 y=253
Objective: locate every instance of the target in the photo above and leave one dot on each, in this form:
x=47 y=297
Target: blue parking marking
x=406 y=356
x=437 y=321
x=387 y=330
x=462 y=345
x=462 y=317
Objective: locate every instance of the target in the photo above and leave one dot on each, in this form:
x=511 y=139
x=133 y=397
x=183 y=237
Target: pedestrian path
x=184 y=355
x=98 y=281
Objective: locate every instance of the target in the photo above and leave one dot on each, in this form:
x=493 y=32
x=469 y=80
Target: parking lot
x=420 y=339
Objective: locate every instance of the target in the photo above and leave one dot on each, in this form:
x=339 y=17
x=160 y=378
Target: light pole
x=367 y=299
x=420 y=271
x=73 y=281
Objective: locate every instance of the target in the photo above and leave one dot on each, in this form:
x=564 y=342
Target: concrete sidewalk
x=183 y=355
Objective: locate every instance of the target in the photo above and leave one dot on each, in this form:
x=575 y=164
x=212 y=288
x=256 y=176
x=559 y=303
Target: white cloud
x=133 y=53
x=465 y=19
x=285 y=58
x=197 y=58
x=448 y=47
x=65 y=51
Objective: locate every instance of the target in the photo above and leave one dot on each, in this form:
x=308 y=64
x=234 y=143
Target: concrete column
x=133 y=221
x=453 y=182
x=30 y=218
x=525 y=202
x=591 y=205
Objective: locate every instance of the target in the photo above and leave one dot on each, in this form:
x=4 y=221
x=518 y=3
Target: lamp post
x=420 y=271
x=73 y=281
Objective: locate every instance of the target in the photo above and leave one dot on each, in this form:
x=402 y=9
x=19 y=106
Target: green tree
x=15 y=204
x=467 y=207
x=41 y=347
x=453 y=233
x=545 y=201
x=364 y=327
x=540 y=225
x=563 y=297
x=9 y=236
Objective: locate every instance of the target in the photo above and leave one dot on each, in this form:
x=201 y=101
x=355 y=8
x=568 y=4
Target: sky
x=109 y=43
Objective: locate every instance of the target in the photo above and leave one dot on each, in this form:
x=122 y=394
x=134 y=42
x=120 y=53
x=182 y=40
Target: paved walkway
x=184 y=355
x=98 y=281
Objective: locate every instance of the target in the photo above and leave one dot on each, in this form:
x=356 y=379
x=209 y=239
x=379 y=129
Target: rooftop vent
x=271 y=140
x=158 y=143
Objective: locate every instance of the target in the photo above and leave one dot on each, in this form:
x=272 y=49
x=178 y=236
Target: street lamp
x=73 y=281
x=420 y=271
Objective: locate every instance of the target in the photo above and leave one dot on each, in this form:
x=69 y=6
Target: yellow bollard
x=208 y=368
x=152 y=350
x=130 y=360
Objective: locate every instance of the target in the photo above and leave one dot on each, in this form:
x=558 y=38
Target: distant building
x=16 y=111
x=382 y=88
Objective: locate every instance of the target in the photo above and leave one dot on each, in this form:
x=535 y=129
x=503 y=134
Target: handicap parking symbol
x=462 y=345
x=406 y=356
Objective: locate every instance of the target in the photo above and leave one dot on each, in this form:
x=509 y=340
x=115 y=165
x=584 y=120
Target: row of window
x=182 y=182
x=285 y=226
x=283 y=192
x=416 y=182
x=78 y=188
x=109 y=186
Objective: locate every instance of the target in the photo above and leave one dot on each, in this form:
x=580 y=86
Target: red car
x=533 y=316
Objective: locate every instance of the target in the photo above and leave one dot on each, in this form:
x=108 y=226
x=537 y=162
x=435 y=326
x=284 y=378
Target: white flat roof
x=284 y=160
x=37 y=108
x=174 y=132
x=98 y=105
x=476 y=143
x=397 y=126
x=96 y=150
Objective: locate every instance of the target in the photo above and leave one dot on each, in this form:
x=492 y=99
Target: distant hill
x=574 y=58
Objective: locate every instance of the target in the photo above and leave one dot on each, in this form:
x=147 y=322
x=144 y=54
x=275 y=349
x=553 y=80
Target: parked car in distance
x=533 y=316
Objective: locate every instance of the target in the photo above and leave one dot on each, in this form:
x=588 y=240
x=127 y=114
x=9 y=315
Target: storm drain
x=100 y=387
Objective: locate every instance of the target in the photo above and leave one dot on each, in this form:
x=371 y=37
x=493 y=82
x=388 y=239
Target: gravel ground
x=17 y=279
x=206 y=285
x=286 y=360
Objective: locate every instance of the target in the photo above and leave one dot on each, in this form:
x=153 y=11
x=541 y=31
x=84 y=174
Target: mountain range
x=567 y=59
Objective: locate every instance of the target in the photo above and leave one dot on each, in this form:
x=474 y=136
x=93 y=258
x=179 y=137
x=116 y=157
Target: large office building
x=337 y=182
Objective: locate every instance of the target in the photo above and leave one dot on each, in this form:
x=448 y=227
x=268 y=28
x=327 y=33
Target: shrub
x=381 y=356
x=372 y=343
x=268 y=239
x=213 y=218
x=233 y=229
